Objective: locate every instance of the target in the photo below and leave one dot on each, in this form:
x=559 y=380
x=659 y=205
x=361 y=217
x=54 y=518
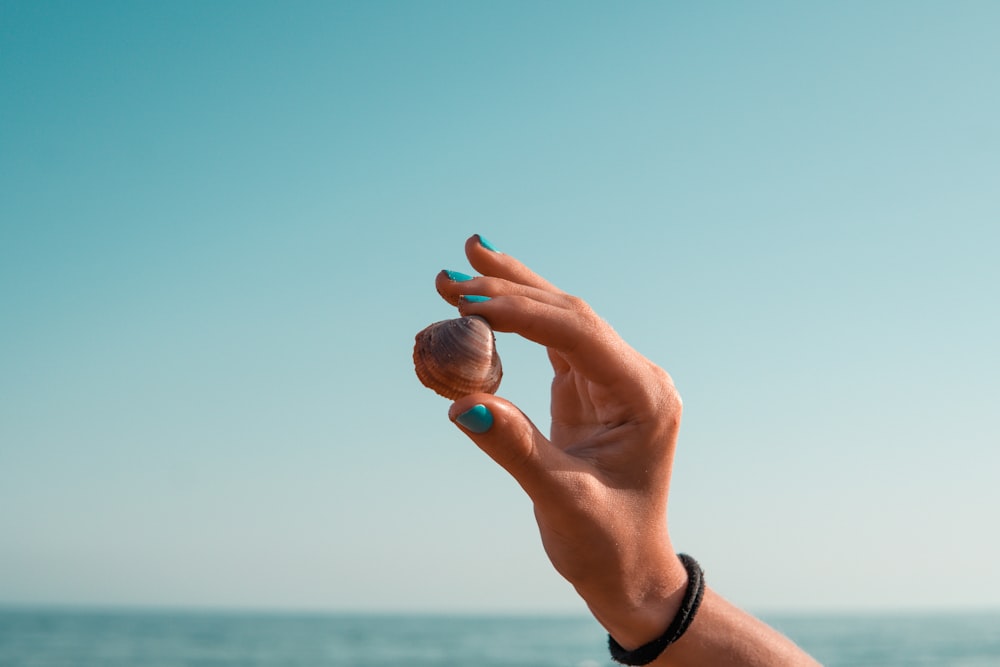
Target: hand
x=599 y=482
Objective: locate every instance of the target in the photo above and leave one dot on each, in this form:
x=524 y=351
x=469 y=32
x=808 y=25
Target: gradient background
x=220 y=225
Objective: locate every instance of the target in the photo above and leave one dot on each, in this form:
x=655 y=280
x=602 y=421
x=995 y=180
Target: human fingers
x=453 y=285
x=506 y=434
x=551 y=318
x=513 y=298
x=566 y=325
x=485 y=258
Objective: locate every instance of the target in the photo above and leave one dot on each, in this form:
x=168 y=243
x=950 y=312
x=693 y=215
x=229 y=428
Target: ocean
x=61 y=638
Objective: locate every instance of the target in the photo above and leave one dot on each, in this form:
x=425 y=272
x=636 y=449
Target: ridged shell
x=458 y=357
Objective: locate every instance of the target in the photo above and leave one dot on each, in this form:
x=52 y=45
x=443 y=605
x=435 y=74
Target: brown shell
x=458 y=357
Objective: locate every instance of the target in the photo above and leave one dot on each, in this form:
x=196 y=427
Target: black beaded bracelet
x=647 y=653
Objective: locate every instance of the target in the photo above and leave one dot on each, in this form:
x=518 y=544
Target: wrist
x=641 y=605
x=649 y=652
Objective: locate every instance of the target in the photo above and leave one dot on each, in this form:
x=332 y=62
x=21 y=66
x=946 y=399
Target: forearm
x=723 y=635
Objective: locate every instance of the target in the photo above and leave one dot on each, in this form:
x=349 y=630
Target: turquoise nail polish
x=474 y=298
x=457 y=276
x=477 y=419
x=483 y=241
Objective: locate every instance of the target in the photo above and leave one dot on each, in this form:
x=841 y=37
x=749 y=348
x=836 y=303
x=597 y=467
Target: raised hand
x=600 y=480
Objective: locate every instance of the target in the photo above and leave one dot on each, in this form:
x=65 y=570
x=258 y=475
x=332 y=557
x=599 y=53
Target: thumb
x=506 y=434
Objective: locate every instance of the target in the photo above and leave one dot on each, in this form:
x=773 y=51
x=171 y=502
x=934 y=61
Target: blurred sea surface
x=120 y=638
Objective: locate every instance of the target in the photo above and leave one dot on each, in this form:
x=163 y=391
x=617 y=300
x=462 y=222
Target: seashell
x=458 y=357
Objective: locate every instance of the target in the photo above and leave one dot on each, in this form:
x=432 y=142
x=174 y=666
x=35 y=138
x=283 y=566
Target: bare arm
x=722 y=635
x=600 y=480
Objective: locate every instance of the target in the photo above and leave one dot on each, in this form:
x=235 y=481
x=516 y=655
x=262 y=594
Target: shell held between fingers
x=458 y=357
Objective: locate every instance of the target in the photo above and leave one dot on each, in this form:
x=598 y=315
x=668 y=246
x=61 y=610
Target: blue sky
x=219 y=229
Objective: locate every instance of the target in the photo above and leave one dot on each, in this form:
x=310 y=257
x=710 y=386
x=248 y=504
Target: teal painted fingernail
x=457 y=276
x=483 y=241
x=474 y=298
x=477 y=419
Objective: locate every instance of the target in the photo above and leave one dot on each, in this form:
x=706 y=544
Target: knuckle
x=662 y=394
x=576 y=304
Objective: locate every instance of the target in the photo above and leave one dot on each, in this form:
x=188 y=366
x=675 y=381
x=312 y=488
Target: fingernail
x=477 y=419
x=457 y=276
x=483 y=241
x=474 y=298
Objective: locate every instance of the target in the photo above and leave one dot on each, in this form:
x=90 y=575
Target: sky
x=220 y=225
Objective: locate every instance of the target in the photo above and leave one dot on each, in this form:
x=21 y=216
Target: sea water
x=61 y=638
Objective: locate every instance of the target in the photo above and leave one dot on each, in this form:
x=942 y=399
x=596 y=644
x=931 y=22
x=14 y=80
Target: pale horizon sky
x=220 y=225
